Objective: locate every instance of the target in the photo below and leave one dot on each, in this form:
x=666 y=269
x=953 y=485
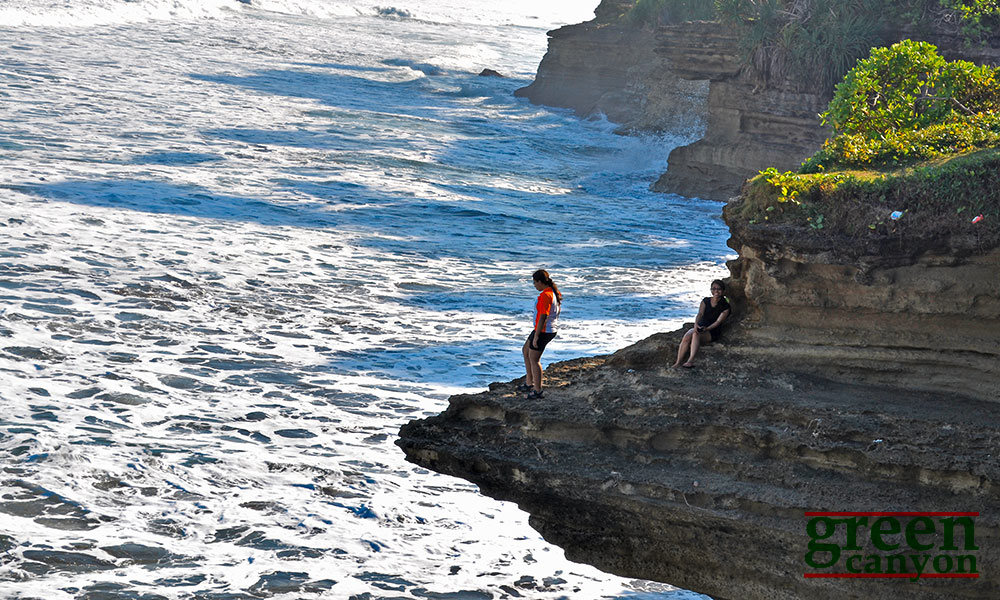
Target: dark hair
x=543 y=276
x=719 y=283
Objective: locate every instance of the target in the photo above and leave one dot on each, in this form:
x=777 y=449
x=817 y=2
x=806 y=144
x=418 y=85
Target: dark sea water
x=242 y=244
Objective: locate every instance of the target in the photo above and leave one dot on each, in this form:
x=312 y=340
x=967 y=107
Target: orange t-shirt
x=547 y=305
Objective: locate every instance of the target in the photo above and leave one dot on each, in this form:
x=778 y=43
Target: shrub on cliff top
x=904 y=104
x=904 y=147
x=909 y=85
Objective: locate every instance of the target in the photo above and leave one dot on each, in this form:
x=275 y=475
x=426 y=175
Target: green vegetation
x=906 y=103
x=813 y=42
x=905 y=147
x=978 y=18
x=916 y=154
x=935 y=199
x=909 y=85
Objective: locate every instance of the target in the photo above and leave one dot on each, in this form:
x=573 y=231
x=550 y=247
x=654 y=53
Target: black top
x=711 y=315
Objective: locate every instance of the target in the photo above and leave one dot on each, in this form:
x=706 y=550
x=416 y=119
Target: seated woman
x=712 y=312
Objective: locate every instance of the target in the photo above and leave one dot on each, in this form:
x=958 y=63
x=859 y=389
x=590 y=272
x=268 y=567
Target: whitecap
x=393 y=12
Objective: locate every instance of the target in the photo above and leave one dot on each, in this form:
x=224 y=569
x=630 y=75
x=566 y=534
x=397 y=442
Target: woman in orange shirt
x=546 y=314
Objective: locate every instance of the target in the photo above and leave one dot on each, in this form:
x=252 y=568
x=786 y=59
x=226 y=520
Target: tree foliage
x=978 y=18
x=910 y=86
x=906 y=146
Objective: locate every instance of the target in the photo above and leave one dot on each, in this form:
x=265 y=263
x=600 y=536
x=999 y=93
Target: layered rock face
x=928 y=322
x=608 y=67
x=680 y=79
x=749 y=127
x=702 y=479
x=852 y=383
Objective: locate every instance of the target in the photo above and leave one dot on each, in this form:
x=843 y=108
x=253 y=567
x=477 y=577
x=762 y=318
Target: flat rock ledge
x=701 y=478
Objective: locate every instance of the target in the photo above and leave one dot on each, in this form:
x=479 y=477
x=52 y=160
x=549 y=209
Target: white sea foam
x=87 y=13
x=239 y=252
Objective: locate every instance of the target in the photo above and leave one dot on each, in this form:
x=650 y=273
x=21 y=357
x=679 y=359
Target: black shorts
x=543 y=340
x=715 y=333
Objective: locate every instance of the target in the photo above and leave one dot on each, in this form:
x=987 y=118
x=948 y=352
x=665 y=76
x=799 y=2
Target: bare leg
x=528 y=376
x=535 y=358
x=682 y=349
x=699 y=338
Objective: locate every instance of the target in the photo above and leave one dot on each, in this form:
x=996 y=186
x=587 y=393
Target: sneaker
x=533 y=395
x=524 y=388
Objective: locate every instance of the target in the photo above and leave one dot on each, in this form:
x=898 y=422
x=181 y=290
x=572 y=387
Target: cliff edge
x=851 y=382
x=607 y=66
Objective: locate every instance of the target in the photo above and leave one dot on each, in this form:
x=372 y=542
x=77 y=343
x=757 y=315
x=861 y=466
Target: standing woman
x=546 y=314
x=712 y=312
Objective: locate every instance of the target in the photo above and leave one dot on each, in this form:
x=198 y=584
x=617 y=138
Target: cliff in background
x=670 y=78
x=749 y=128
x=606 y=67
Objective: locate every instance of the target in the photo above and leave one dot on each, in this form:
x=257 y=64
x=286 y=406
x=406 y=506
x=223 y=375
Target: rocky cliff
x=853 y=382
x=749 y=127
x=675 y=76
x=884 y=314
x=608 y=67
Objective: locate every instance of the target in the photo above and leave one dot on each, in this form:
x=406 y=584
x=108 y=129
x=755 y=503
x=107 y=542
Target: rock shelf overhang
x=701 y=478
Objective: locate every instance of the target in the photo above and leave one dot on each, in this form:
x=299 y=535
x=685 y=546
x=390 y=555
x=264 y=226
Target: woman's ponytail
x=543 y=276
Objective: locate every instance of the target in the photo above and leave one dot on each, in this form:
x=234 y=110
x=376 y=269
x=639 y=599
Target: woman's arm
x=722 y=317
x=540 y=328
x=701 y=313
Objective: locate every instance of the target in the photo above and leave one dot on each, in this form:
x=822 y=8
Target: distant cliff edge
x=687 y=78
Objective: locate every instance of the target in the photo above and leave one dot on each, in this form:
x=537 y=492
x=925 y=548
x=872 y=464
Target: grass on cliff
x=916 y=156
x=933 y=200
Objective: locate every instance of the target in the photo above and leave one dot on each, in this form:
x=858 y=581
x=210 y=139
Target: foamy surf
x=241 y=250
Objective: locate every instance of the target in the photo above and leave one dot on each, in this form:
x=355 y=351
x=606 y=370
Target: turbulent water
x=243 y=243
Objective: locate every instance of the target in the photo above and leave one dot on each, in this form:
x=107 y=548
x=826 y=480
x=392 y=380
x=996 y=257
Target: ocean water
x=242 y=243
